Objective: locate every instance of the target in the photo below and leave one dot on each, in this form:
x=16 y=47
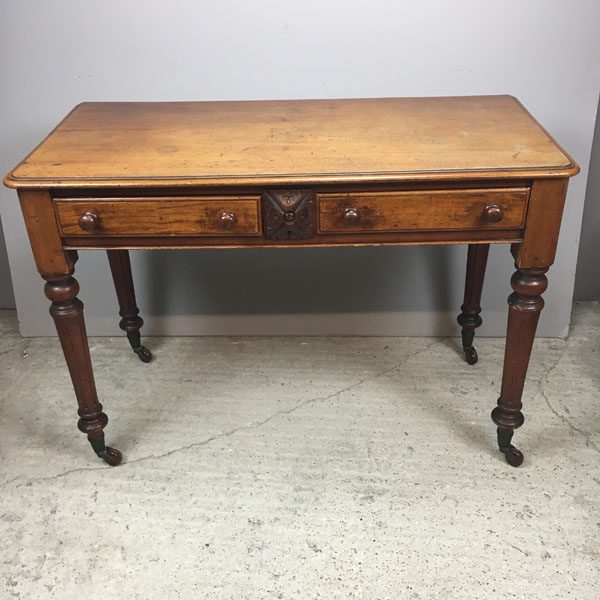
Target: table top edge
x=303 y=180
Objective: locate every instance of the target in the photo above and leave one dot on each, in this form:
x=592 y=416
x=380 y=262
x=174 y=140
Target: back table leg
x=131 y=322
x=469 y=318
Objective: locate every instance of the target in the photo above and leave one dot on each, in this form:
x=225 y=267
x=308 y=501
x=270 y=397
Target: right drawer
x=502 y=208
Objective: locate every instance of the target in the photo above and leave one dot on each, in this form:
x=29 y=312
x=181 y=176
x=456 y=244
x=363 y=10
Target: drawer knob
x=227 y=220
x=351 y=215
x=493 y=213
x=89 y=221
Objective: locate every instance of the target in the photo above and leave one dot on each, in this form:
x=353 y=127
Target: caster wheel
x=471 y=355
x=514 y=457
x=111 y=456
x=143 y=353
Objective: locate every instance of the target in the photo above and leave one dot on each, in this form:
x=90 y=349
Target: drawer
x=422 y=210
x=176 y=216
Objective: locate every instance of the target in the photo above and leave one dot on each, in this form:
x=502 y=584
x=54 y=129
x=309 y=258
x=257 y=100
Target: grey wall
x=587 y=280
x=7 y=299
x=56 y=54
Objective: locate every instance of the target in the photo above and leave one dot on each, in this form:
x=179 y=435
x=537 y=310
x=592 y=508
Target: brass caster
x=514 y=457
x=471 y=355
x=111 y=456
x=143 y=353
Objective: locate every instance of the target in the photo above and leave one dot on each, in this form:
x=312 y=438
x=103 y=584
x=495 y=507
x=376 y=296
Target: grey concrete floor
x=300 y=468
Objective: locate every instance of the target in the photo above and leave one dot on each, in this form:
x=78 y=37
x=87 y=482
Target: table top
x=142 y=144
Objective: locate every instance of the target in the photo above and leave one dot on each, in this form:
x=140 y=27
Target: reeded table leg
x=67 y=312
x=525 y=305
x=131 y=322
x=469 y=318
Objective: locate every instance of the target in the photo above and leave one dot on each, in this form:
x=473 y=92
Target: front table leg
x=67 y=312
x=525 y=305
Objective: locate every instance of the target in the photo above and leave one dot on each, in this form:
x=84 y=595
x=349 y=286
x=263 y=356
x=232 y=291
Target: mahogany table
x=393 y=171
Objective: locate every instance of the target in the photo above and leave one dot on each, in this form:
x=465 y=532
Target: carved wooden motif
x=288 y=214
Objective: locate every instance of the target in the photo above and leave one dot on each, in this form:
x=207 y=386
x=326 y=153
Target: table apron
x=510 y=236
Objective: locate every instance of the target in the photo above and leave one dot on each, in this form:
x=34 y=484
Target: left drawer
x=168 y=216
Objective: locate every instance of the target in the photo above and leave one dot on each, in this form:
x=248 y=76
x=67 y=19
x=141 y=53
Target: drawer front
x=422 y=210
x=177 y=216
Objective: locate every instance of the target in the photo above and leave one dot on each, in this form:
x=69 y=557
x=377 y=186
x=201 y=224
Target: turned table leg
x=469 y=318
x=67 y=312
x=524 y=307
x=131 y=322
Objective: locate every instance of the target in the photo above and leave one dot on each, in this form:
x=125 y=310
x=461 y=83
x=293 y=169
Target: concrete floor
x=300 y=468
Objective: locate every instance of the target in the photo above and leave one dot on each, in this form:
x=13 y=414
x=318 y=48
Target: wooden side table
x=468 y=170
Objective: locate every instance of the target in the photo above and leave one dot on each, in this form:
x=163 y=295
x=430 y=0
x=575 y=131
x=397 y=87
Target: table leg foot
x=507 y=419
x=143 y=353
x=514 y=457
x=468 y=348
x=109 y=455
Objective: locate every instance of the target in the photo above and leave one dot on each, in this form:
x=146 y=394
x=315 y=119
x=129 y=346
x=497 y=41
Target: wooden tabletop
x=114 y=144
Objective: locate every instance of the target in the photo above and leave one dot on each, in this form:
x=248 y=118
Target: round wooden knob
x=89 y=221
x=227 y=220
x=493 y=213
x=351 y=215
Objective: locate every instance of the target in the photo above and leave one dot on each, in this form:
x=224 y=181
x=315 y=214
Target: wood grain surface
x=116 y=144
x=421 y=211
x=165 y=216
